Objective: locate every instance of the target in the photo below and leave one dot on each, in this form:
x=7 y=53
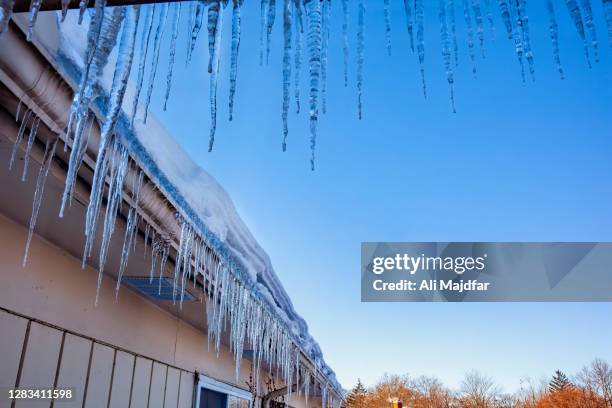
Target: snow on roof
x=195 y=191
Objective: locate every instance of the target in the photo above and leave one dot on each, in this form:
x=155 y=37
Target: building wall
x=125 y=353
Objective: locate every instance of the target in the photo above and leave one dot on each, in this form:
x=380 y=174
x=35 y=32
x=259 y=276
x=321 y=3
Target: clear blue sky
x=515 y=163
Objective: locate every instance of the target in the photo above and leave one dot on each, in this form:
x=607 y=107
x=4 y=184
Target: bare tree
x=597 y=378
x=478 y=391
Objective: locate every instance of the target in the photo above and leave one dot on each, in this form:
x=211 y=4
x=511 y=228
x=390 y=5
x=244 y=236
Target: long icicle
x=31 y=138
x=102 y=161
x=487 y=6
x=313 y=8
x=409 y=27
x=22 y=128
x=45 y=165
x=518 y=42
x=286 y=67
x=446 y=49
x=345 y=41
x=100 y=41
x=523 y=23
x=175 y=30
x=419 y=14
x=470 y=35
x=236 y=28
x=360 y=55
x=198 y=18
x=479 y=24
x=453 y=31
x=299 y=29
x=590 y=25
x=270 y=25
x=6 y=12
x=215 y=21
x=506 y=18
x=554 y=35
x=576 y=15
x=387 y=12
x=263 y=29
x=163 y=15
x=144 y=45
x=325 y=33
x=34 y=9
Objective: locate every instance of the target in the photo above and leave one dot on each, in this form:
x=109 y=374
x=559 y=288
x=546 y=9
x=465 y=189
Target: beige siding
x=140 y=382
x=73 y=369
x=40 y=360
x=122 y=380
x=185 y=390
x=158 y=386
x=172 y=388
x=13 y=331
x=98 y=384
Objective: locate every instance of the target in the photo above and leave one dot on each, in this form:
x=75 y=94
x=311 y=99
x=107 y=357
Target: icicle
x=345 y=42
x=523 y=23
x=360 y=55
x=24 y=123
x=6 y=12
x=325 y=22
x=574 y=10
x=45 y=165
x=588 y=21
x=31 y=138
x=82 y=9
x=554 y=35
x=446 y=51
x=65 y=4
x=408 y=13
x=387 y=11
x=197 y=25
x=487 y=4
x=190 y=26
x=215 y=23
x=144 y=45
x=451 y=18
x=506 y=18
x=607 y=5
x=270 y=24
x=155 y=60
x=117 y=92
x=175 y=29
x=34 y=9
x=119 y=162
x=236 y=22
x=470 y=35
x=286 y=67
x=313 y=10
x=263 y=29
x=130 y=229
x=479 y=24
x=518 y=44
x=419 y=13
x=299 y=27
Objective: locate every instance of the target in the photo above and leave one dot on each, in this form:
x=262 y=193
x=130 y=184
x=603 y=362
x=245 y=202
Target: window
x=216 y=394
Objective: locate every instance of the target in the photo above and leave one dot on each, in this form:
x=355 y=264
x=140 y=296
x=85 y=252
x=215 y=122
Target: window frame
x=210 y=383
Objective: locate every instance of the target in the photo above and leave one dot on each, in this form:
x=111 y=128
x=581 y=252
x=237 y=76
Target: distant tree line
x=590 y=388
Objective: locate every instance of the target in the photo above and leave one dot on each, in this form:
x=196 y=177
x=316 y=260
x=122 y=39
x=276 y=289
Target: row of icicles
x=249 y=319
x=313 y=18
x=229 y=303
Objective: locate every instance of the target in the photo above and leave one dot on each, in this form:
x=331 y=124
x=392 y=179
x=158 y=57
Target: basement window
x=212 y=393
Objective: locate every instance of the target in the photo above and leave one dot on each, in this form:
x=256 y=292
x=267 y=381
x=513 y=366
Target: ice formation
x=220 y=245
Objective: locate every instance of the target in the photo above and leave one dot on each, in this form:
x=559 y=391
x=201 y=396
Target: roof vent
x=151 y=288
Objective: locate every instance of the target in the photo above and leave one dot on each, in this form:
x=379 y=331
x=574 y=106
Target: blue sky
x=515 y=163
